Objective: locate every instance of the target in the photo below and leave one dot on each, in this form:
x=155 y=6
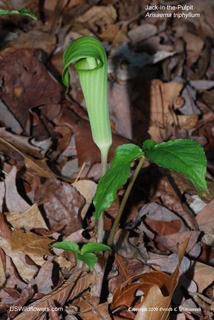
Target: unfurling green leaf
x=115 y=177
x=23 y=11
x=92 y=70
x=89 y=258
x=183 y=155
x=67 y=246
x=94 y=247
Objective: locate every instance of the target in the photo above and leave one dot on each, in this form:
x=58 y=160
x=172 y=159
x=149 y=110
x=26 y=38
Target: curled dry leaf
x=157 y=287
x=20 y=142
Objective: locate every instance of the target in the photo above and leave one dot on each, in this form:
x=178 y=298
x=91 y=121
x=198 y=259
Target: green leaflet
x=94 y=247
x=115 y=177
x=67 y=246
x=183 y=155
x=89 y=258
x=92 y=71
x=23 y=11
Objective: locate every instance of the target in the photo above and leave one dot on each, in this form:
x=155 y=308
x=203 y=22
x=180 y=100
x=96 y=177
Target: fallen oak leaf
x=157 y=298
x=157 y=287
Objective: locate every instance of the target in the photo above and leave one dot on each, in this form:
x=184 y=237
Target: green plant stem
x=100 y=231
x=123 y=203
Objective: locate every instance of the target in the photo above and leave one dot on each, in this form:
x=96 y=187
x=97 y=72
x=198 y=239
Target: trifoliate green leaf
x=183 y=155
x=115 y=177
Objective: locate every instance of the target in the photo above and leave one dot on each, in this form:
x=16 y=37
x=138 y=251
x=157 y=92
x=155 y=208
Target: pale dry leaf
x=168 y=263
x=87 y=189
x=142 y=32
x=30 y=219
x=8 y=119
x=98 y=17
x=13 y=199
x=57 y=296
x=44 y=279
x=28 y=243
x=203 y=275
x=194 y=46
x=187 y=122
x=34 y=39
x=205 y=219
x=119 y=106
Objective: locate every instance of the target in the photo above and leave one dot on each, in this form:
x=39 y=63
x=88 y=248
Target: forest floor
x=160 y=87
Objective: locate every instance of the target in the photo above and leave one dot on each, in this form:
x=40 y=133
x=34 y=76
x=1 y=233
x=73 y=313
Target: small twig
x=80 y=172
x=72 y=284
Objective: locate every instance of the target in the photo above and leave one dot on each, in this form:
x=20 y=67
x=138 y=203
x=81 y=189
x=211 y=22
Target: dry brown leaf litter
x=161 y=79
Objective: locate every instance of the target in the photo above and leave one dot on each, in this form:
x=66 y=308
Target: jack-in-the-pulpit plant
x=92 y=70
x=183 y=155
